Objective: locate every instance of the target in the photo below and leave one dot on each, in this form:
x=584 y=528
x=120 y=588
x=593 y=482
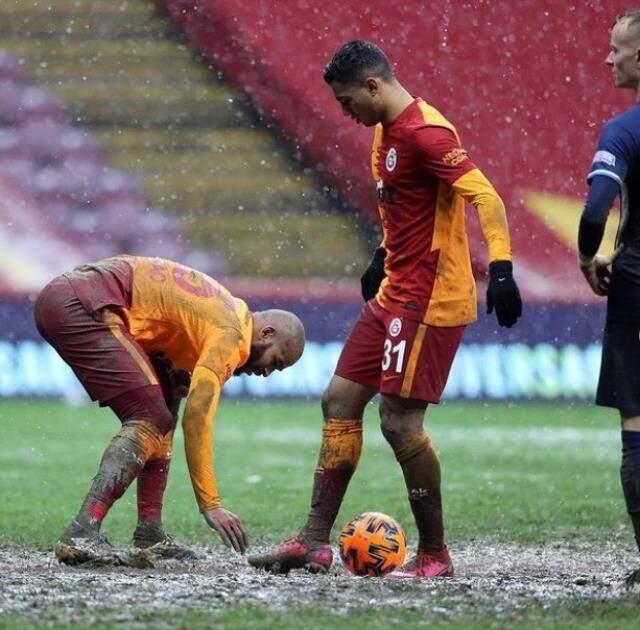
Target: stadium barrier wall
x=552 y=354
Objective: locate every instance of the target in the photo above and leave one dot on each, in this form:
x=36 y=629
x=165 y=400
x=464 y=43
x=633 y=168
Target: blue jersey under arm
x=607 y=178
x=602 y=195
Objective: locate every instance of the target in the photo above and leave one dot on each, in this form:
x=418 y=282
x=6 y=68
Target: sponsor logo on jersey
x=455 y=157
x=384 y=193
x=395 y=326
x=392 y=159
x=604 y=157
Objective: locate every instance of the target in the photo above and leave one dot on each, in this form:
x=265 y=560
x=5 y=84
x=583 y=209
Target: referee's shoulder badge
x=395 y=326
x=604 y=157
x=392 y=159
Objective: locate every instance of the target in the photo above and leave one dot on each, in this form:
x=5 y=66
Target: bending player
x=420 y=295
x=139 y=333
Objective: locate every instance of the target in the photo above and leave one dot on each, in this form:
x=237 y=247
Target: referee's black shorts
x=619 y=383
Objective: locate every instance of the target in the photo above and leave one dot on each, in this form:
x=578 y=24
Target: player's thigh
x=345 y=400
x=144 y=403
x=99 y=349
x=361 y=356
x=417 y=359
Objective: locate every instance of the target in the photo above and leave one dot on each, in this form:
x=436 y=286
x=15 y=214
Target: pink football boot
x=428 y=565
x=294 y=554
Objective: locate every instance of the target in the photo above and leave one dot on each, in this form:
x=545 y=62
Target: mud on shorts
x=619 y=382
x=394 y=355
x=108 y=361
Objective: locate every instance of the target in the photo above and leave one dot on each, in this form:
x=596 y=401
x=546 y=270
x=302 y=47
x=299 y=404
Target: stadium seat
x=10 y=101
x=11 y=68
x=38 y=104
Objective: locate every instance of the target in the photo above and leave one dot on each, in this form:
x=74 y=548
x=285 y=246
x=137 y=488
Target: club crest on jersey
x=392 y=159
x=395 y=326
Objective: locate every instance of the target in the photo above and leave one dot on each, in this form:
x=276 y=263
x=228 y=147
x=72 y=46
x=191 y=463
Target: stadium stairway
x=161 y=111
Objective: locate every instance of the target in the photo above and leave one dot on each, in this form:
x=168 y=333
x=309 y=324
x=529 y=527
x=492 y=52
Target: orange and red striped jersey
x=423 y=176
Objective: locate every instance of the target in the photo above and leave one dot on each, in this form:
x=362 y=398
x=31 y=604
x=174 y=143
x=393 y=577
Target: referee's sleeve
x=610 y=159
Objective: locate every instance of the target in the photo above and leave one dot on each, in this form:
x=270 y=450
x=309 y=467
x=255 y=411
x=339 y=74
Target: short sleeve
x=610 y=159
x=440 y=154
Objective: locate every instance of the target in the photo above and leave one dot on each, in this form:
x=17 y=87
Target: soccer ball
x=372 y=544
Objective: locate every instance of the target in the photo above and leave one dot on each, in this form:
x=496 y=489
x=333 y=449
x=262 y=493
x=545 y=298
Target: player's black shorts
x=619 y=383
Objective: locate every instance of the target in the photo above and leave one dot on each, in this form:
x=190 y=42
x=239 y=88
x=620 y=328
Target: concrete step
x=55 y=8
x=286 y=244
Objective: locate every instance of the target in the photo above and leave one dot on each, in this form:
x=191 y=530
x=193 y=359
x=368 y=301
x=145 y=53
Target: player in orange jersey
x=140 y=333
x=420 y=294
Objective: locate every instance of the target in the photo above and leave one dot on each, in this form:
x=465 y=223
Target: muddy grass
x=492 y=581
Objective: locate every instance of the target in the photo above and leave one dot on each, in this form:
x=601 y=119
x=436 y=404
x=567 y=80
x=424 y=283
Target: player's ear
x=267 y=332
x=372 y=85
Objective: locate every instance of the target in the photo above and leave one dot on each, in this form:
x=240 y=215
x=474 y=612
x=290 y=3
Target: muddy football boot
x=294 y=554
x=79 y=545
x=633 y=579
x=155 y=542
x=428 y=565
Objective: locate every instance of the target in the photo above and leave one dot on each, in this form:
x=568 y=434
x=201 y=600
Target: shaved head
x=277 y=342
x=289 y=328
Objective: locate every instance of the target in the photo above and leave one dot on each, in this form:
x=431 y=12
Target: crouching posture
x=140 y=334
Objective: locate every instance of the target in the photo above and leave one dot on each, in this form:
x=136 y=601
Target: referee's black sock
x=630 y=477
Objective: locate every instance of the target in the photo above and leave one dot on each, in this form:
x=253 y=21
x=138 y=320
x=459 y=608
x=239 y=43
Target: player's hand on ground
x=229 y=528
x=373 y=275
x=597 y=272
x=503 y=293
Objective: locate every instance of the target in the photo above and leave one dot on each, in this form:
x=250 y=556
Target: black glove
x=374 y=274
x=174 y=382
x=503 y=293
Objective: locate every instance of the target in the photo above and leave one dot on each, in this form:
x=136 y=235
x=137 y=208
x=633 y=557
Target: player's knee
x=392 y=432
x=334 y=404
x=164 y=420
x=144 y=403
x=344 y=400
x=328 y=403
x=399 y=422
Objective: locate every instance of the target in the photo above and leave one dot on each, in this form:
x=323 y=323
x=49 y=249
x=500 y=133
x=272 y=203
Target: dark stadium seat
x=61 y=168
x=38 y=104
x=11 y=68
x=10 y=101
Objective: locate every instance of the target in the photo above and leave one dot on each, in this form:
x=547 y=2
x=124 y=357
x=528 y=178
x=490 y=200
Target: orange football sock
x=339 y=455
x=421 y=469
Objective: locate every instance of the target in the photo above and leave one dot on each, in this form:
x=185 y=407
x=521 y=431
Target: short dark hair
x=355 y=60
x=632 y=16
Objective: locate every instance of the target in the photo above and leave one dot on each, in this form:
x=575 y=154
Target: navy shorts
x=619 y=383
